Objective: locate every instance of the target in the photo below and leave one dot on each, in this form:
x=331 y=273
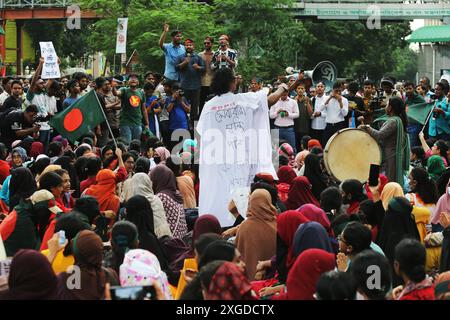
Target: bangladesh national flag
x=417 y=113
x=80 y=118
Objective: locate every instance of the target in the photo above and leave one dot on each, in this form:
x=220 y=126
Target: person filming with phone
x=439 y=127
x=334 y=109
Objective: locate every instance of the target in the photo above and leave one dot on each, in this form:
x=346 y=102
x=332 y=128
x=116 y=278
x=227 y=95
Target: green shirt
x=131 y=113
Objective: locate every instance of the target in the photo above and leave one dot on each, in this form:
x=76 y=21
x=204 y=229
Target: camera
x=181 y=93
x=375 y=103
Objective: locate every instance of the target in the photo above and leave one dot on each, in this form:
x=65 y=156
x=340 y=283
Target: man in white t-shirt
x=335 y=109
x=318 y=122
x=46 y=104
x=235 y=143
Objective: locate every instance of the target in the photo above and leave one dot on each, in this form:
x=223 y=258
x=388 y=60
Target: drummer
x=393 y=139
x=335 y=110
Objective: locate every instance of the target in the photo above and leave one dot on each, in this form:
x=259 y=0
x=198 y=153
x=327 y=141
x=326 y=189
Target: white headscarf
x=142 y=268
x=142 y=185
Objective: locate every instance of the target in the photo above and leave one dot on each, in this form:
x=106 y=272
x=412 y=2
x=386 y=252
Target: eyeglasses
x=206 y=42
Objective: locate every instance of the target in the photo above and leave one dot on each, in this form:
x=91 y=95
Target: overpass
x=38 y=9
x=20 y=10
x=363 y=9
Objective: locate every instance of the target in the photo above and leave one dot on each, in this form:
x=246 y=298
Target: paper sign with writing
x=50 y=69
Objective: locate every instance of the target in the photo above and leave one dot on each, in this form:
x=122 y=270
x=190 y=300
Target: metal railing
x=17 y=4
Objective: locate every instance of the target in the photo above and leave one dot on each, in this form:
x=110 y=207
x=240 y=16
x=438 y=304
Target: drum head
x=349 y=154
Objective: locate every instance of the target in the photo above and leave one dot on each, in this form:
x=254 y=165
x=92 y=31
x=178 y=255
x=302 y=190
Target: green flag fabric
x=417 y=113
x=80 y=118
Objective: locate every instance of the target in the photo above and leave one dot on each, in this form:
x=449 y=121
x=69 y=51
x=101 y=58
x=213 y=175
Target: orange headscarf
x=105 y=190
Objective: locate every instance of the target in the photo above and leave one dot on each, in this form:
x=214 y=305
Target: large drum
x=349 y=154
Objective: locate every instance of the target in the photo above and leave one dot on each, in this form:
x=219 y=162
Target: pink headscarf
x=314 y=213
x=443 y=205
x=163 y=153
x=287 y=151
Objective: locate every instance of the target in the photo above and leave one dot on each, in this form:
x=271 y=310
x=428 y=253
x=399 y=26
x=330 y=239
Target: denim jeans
x=288 y=134
x=413 y=133
x=44 y=137
x=130 y=133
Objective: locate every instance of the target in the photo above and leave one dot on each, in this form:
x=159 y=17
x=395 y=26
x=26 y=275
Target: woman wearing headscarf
x=140 y=213
x=161 y=154
x=443 y=205
x=227 y=283
x=300 y=194
x=18 y=157
x=256 y=237
x=315 y=175
x=286 y=150
x=286 y=175
x=287 y=224
x=315 y=213
x=390 y=191
x=87 y=248
x=124 y=237
x=22 y=185
x=299 y=164
x=24 y=227
x=205 y=224
x=398 y=224
x=142 y=268
x=304 y=274
x=105 y=192
x=435 y=167
x=311 y=235
x=37 y=148
x=31 y=277
x=142 y=185
x=165 y=187
x=184 y=183
x=394 y=139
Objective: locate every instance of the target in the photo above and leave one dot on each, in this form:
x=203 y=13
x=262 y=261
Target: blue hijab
x=311 y=235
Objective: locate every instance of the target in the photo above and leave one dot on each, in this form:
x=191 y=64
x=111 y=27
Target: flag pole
x=106 y=120
x=427 y=120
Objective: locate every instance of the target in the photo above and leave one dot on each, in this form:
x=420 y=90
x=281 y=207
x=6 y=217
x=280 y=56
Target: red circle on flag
x=73 y=120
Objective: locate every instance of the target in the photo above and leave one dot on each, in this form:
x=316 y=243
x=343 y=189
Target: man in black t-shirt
x=355 y=104
x=17 y=125
x=15 y=99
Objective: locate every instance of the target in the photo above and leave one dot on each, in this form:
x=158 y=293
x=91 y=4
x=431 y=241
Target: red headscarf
x=314 y=213
x=300 y=194
x=105 y=190
x=287 y=225
x=229 y=283
x=304 y=274
x=314 y=143
x=286 y=174
x=36 y=149
x=206 y=223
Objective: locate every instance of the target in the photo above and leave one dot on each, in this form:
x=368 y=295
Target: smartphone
x=62 y=237
x=374 y=175
x=133 y=293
